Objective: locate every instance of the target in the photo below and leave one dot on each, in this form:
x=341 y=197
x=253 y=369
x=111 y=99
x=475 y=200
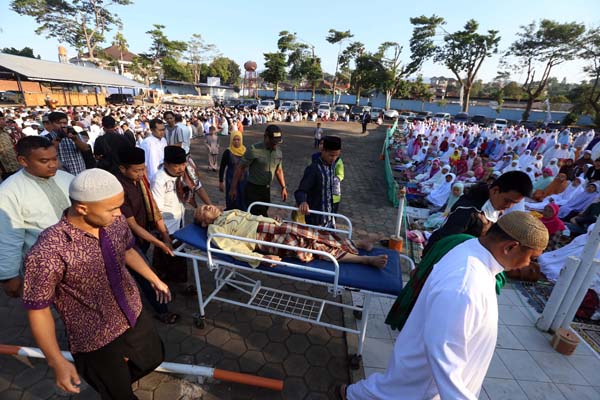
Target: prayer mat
x=538 y=293
x=590 y=333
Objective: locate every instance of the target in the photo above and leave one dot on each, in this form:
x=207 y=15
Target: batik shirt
x=67 y=268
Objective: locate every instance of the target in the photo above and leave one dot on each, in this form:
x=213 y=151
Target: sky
x=244 y=30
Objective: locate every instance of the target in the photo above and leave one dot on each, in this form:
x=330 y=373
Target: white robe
x=446 y=346
x=552 y=263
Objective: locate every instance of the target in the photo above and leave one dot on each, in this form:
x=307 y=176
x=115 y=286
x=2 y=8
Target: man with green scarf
x=448 y=315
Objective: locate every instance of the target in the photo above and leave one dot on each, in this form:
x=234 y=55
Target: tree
x=121 y=43
x=392 y=72
x=79 y=23
x=419 y=90
x=337 y=37
x=143 y=68
x=226 y=69
x=198 y=52
x=547 y=45
x=591 y=53
x=274 y=70
x=165 y=54
x=463 y=52
x=24 y=52
x=348 y=56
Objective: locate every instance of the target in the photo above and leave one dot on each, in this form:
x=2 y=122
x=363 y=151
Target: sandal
x=167 y=318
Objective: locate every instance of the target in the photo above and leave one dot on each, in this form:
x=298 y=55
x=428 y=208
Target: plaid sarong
x=304 y=237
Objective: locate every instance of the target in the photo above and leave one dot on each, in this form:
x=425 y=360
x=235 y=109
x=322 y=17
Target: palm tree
x=120 y=41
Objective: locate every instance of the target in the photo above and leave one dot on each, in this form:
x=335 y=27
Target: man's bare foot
x=364 y=244
x=378 y=261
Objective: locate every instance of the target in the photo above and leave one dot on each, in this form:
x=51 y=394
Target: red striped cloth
x=304 y=237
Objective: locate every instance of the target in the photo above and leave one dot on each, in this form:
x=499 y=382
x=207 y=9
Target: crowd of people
x=445 y=166
x=84 y=200
x=87 y=197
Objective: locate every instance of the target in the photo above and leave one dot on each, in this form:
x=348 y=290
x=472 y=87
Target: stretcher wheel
x=199 y=322
x=355 y=361
x=357 y=314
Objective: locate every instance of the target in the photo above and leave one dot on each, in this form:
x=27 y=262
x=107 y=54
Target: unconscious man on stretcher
x=243 y=224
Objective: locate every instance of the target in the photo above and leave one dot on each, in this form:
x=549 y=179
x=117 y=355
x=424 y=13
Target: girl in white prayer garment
x=439 y=196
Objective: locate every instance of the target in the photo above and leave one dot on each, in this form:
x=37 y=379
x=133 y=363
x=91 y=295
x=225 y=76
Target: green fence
x=392 y=185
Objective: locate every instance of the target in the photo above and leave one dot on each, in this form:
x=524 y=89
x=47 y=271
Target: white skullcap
x=94 y=185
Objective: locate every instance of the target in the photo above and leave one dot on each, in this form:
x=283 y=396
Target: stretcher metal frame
x=275 y=301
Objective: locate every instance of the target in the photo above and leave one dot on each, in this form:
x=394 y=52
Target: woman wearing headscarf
x=229 y=162
x=499 y=151
x=435 y=181
x=512 y=166
x=462 y=166
x=581 y=202
x=525 y=160
x=212 y=145
x=436 y=220
x=553 y=165
x=439 y=196
x=575 y=188
x=585 y=159
x=550 y=219
x=543 y=181
x=477 y=168
x=429 y=172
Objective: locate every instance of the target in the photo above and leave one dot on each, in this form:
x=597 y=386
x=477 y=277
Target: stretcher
x=231 y=273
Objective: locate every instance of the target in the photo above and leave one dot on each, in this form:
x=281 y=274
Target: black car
x=247 y=105
x=423 y=115
x=479 y=120
x=118 y=98
x=357 y=111
x=307 y=106
x=461 y=117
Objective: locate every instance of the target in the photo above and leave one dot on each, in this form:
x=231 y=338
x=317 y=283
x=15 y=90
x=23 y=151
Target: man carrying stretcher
x=243 y=224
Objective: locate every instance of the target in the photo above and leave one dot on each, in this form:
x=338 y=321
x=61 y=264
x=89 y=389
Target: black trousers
x=107 y=371
x=254 y=193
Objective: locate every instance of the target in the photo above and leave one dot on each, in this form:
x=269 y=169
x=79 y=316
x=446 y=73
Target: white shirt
x=25 y=211
x=165 y=195
x=447 y=343
x=155 y=152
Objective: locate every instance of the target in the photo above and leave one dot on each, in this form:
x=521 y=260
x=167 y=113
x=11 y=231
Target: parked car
x=479 y=120
x=119 y=98
x=461 y=117
x=357 y=111
x=248 y=104
x=324 y=111
x=390 y=114
x=232 y=103
x=407 y=116
x=307 y=106
x=554 y=125
x=288 y=106
x=10 y=96
x=266 y=105
x=500 y=123
x=341 y=110
x=441 y=117
x=423 y=115
x=375 y=112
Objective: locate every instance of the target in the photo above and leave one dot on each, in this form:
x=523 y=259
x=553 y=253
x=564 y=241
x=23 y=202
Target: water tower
x=62 y=55
x=250 y=85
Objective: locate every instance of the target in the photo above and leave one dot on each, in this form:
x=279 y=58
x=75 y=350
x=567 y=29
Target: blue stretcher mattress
x=387 y=280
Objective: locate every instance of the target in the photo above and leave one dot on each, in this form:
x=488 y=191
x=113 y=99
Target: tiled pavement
x=310 y=359
x=524 y=366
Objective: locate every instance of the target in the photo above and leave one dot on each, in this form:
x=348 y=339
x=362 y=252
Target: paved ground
x=311 y=360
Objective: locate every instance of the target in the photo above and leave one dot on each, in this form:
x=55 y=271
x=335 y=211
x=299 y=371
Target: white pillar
x=580 y=294
x=558 y=294
x=581 y=281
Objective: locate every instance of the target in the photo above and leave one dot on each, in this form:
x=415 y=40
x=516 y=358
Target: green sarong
x=408 y=296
